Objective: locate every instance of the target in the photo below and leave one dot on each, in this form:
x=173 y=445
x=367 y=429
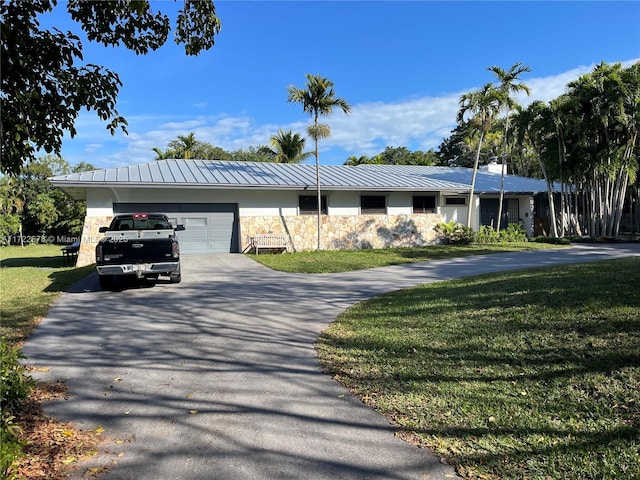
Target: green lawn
x=526 y=375
x=31 y=278
x=332 y=261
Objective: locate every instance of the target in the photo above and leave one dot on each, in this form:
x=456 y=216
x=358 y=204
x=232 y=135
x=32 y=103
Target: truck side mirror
x=103 y=229
x=179 y=228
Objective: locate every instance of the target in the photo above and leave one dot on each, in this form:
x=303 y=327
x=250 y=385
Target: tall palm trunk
x=552 y=203
x=501 y=196
x=319 y=193
x=502 y=164
x=473 y=180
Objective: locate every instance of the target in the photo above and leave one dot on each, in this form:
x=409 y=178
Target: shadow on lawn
x=566 y=336
x=41 y=262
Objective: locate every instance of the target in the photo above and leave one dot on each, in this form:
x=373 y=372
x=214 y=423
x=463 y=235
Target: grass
x=31 y=278
x=333 y=261
x=525 y=375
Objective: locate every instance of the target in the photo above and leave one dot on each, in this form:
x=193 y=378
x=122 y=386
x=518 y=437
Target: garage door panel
x=209 y=227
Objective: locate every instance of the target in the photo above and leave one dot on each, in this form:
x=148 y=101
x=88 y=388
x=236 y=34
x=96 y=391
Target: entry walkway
x=217 y=378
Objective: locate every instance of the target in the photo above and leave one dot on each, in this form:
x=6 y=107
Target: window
x=455 y=201
x=513 y=210
x=373 y=204
x=308 y=204
x=424 y=204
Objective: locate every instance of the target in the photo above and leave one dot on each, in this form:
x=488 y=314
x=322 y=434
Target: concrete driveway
x=217 y=378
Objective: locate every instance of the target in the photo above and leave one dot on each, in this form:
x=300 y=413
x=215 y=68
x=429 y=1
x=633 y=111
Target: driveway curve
x=217 y=377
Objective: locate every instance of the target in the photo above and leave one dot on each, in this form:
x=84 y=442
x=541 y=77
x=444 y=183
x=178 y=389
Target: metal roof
x=486 y=182
x=286 y=176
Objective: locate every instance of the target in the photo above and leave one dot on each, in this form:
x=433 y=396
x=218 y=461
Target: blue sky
x=402 y=66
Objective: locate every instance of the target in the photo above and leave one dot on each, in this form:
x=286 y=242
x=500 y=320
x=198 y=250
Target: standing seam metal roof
x=230 y=174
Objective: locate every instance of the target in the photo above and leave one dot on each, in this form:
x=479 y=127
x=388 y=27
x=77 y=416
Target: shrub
x=15 y=385
x=486 y=234
x=10 y=446
x=513 y=233
x=454 y=233
x=553 y=240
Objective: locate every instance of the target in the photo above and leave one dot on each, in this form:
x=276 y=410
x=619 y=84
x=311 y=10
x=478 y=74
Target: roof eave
x=66 y=184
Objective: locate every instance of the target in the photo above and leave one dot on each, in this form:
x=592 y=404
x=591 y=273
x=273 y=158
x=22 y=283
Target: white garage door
x=209 y=227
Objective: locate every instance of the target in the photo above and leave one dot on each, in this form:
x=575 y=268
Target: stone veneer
x=339 y=232
x=345 y=232
x=90 y=238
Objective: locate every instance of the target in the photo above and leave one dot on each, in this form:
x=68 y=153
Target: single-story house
x=223 y=203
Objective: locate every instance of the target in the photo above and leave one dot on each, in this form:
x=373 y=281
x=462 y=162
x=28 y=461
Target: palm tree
x=184 y=146
x=287 y=147
x=317 y=99
x=482 y=105
x=532 y=127
x=507 y=87
x=160 y=155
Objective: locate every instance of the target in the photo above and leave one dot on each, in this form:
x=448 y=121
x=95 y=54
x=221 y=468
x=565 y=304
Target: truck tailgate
x=139 y=250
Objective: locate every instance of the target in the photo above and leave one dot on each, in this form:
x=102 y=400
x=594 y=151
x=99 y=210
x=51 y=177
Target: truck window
x=141 y=222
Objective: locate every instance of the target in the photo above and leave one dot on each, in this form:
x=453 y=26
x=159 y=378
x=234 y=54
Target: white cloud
x=417 y=123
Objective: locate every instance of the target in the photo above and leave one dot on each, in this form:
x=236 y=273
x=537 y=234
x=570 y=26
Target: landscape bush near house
x=454 y=233
x=513 y=233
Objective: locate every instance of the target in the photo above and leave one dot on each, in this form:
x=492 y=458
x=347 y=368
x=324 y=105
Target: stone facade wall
x=90 y=238
x=339 y=232
x=345 y=232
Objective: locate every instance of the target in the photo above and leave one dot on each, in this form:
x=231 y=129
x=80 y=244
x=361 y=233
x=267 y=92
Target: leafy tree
x=187 y=147
x=317 y=99
x=361 y=160
x=509 y=83
x=403 y=156
x=251 y=154
x=44 y=86
x=601 y=120
x=11 y=205
x=45 y=209
x=452 y=151
x=533 y=129
x=482 y=105
x=287 y=147
x=397 y=156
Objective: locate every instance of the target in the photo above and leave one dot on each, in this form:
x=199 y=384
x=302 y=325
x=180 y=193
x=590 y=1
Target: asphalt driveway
x=217 y=378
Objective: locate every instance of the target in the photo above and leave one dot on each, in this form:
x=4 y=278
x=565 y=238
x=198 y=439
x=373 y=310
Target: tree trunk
x=552 y=208
x=318 y=192
x=501 y=196
x=619 y=206
x=473 y=179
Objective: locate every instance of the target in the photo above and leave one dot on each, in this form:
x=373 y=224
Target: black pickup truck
x=143 y=245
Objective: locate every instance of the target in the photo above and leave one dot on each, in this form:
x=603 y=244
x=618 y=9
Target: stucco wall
x=344 y=232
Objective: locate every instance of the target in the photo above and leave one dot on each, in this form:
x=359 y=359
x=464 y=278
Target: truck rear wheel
x=106 y=282
x=175 y=276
